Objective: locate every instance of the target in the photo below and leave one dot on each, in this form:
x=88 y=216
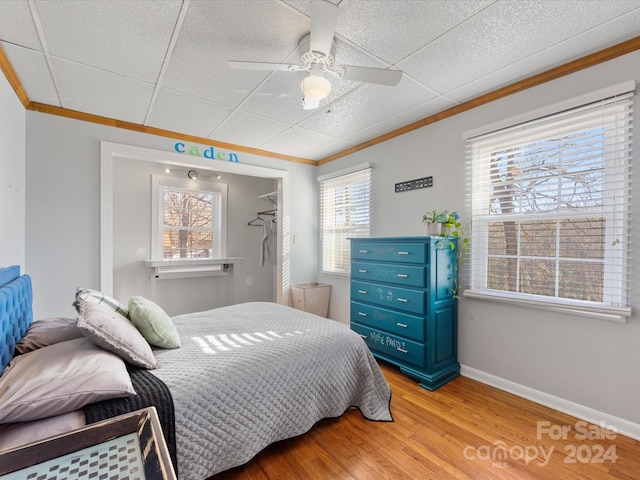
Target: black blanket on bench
x=151 y=392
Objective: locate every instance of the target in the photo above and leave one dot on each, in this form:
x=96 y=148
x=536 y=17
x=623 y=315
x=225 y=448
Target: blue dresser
x=403 y=307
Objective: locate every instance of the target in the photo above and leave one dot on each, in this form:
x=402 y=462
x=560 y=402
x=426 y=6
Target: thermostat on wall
x=414 y=184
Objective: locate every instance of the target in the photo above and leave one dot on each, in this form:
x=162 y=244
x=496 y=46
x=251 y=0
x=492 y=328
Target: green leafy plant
x=453 y=231
x=452 y=227
x=435 y=216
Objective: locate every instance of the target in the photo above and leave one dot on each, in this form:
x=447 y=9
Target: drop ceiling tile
x=328 y=149
x=280 y=98
x=297 y=141
x=31 y=68
x=402 y=119
x=503 y=33
x=392 y=30
x=366 y=105
x=215 y=32
x=94 y=91
x=182 y=113
x=128 y=37
x=16 y=25
x=595 y=39
x=243 y=128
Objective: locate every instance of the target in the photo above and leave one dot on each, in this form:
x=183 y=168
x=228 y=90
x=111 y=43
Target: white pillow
x=60 y=378
x=111 y=331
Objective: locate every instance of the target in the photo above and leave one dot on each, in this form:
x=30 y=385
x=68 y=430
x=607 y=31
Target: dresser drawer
x=393 y=322
x=397 y=252
x=409 y=275
x=392 y=345
x=405 y=299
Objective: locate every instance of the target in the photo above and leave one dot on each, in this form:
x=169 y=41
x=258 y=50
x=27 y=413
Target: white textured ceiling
x=162 y=63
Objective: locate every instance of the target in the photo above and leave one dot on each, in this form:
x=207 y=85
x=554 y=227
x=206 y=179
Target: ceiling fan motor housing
x=308 y=57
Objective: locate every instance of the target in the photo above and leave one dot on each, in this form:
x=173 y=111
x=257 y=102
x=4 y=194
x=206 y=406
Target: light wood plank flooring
x=463 y=430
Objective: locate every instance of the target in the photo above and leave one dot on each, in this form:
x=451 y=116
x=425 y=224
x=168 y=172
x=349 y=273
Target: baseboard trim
x=624 y=427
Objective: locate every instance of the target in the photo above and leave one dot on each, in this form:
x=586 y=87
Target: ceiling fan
x=317 y=57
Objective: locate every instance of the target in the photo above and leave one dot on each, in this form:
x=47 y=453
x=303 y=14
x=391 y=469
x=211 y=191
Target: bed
x=241 y=377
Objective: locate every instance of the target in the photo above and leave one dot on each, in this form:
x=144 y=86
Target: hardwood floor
x=463 y=430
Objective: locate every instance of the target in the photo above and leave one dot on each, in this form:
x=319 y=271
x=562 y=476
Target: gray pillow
x=154 y=324
x=96 y=296
x=48 y=331
x=60 y=378
x=111 y=331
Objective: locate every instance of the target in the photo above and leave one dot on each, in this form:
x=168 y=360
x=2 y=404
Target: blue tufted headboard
x=16 y=314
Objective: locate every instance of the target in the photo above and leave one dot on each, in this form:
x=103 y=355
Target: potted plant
x=452 y=227
x=447 y=225
x=434 y=220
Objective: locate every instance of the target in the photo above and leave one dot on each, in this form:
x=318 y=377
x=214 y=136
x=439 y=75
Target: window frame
x=161 y=182
x=360 y=173
x=616 y=296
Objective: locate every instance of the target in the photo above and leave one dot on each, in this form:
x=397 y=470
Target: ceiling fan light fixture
x=315 y=87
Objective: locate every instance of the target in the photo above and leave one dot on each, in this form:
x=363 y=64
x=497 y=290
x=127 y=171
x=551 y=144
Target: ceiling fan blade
x=278 y=67
x=324 y=16
x=370 y=75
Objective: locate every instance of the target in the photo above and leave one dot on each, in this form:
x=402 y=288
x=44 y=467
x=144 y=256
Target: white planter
x=433 y=229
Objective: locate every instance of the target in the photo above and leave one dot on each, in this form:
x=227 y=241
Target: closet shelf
x=183 y=262
x=191 y=267
x=273 y=197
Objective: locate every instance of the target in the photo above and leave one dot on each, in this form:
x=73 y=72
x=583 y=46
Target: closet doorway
x=113 y=156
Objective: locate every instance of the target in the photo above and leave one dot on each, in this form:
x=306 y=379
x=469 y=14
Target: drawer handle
x=403 y=300
x=362 y=271
x=402 y=275
x=403 y=253
x=362 y=314
x=403 y=325
x=403 y=350
x=362 y=291
x=364 y=251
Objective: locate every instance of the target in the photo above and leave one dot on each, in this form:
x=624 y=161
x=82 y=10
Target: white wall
x=594 y=363
x=63 y=207
x=12 y=177
x=132 y=244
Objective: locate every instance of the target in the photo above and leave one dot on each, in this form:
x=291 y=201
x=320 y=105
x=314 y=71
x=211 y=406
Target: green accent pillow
x=153 y=323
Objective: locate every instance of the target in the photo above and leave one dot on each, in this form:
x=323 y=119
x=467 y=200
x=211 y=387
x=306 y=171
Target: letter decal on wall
x=209 y=153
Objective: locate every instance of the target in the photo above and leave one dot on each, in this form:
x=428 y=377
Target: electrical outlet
x=249 y=281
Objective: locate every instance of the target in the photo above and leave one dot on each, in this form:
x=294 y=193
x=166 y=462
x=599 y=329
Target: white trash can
x=312 y=298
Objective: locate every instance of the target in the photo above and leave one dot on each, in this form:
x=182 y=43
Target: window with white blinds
x=345 y=209
x=550 y=203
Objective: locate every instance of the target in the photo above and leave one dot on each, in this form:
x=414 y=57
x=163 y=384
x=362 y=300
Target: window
x=345 y=210
x=550 y=209
x=189 y=220
x=191 y=223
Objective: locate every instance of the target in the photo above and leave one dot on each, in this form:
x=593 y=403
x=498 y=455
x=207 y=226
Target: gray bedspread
x=255 y=373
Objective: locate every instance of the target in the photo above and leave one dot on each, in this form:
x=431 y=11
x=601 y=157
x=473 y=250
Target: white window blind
x=550 y=204
x=345 y=209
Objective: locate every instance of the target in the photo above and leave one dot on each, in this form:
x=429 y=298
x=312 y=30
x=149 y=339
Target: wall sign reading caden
x=209 y=152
